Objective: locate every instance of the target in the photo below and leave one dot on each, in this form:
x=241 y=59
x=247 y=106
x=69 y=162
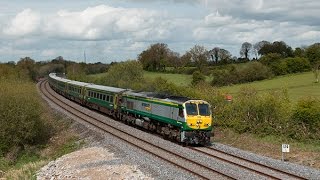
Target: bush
x=306 y=119
x=280 y=66
x=197 y=77
x=254 y=71
x=262 y=114
x=127 y=74
x=295 y=65
x=20 y=116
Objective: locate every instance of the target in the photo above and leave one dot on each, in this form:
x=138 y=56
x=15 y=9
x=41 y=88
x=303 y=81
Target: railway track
x=244 y=163
x=178 y=160
x=190 y=165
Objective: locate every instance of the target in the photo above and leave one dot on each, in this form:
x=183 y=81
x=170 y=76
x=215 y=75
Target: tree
x=155 y=58
x=313 y=54
x=199 y=55
x=185 y=59
x=125 y=74
x=27 y=65
x=220 y=55
x=174 y=60
x=278 y=47
x=245 y=50
x=225 y=56
x=299 y=52
x=214 y=54
x=257 y=46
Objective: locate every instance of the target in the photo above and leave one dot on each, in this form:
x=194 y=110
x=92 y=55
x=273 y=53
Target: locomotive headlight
x=199 y=121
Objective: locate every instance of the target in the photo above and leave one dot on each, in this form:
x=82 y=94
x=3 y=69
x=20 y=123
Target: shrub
x=295 y=65
x=259 y=113
x=197 y=77
x=234 y=74
x=127 y=74
x=306 y=119
x=280 y=66
x=20 y=116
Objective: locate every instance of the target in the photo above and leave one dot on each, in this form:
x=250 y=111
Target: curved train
x=177 y=118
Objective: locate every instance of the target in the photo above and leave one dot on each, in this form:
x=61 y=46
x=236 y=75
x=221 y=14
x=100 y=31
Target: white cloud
x=309 y=35
x=25 y=23
x=100 y=22
x=215 y=19
x=48 y=52
x=121 y=30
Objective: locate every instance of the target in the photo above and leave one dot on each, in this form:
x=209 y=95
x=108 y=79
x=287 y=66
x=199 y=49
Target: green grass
x=298 y=85
x=177 y=79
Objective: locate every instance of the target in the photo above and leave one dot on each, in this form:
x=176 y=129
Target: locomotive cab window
x=180 y=112
x=204 y=110
x=191 y=109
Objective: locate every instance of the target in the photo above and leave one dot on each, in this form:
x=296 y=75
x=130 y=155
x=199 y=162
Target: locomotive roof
x=105 y=88
x=163 y=97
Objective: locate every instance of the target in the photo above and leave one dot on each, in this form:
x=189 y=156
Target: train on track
x=176 y=118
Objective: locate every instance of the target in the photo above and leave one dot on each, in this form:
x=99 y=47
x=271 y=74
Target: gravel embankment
x=93 y=163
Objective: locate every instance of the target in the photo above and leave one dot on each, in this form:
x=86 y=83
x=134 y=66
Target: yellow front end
x=198 y=115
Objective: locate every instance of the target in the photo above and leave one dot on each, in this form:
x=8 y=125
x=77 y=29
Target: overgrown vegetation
x=306 y=119
x=20 y=116
x=26 y=124
x=254 y=71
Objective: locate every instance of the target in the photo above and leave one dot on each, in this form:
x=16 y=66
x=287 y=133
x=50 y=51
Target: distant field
x=178 y=79
x=298 y=85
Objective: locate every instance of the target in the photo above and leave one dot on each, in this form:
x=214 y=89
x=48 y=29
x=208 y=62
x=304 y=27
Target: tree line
x=279 y=57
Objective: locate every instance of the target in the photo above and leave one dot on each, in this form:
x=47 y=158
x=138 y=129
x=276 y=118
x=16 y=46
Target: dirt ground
x=298 y=154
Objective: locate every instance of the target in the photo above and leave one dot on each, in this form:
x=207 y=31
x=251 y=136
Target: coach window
x=104 y=97
x=100 y=96
x=107 y=98
x=111 y=98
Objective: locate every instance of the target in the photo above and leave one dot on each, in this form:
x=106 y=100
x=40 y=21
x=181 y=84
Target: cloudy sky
x=118 y=30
